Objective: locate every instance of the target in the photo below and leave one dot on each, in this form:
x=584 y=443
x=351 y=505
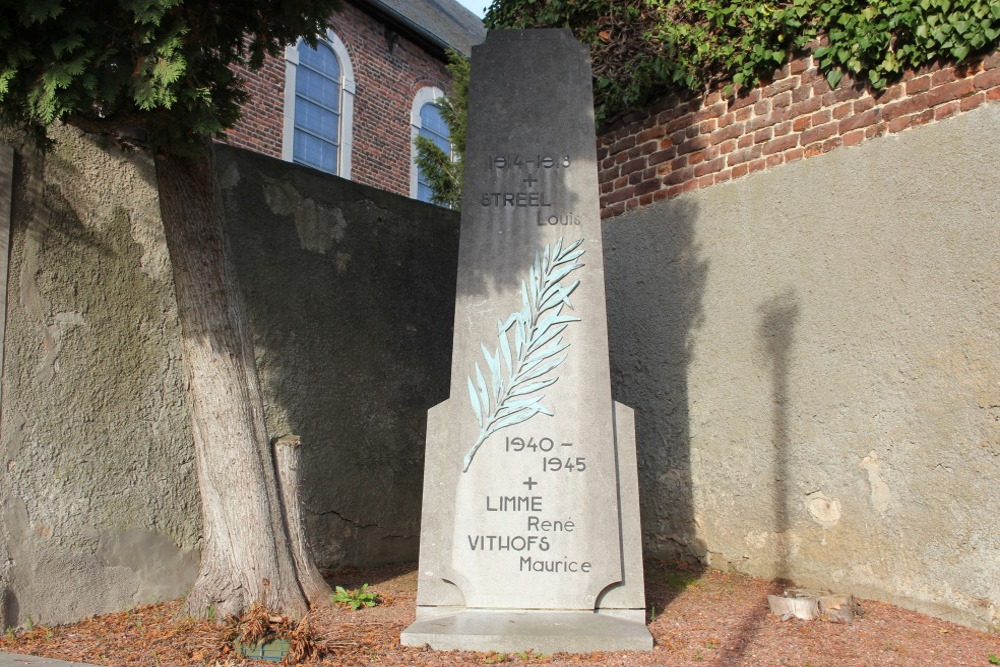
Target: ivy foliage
x=156 y=66
x=443 y=172
x=643 y=49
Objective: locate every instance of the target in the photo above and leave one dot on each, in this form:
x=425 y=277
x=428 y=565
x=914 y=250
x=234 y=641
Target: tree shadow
x=665 y=581
x=735 y=648
x=655 y=286
x=350 y=291
x=395 y=578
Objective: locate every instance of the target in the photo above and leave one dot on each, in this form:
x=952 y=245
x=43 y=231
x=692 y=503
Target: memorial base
x=507 y=631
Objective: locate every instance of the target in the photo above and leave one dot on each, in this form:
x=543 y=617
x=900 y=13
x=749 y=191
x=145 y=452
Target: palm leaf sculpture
x=534 y=352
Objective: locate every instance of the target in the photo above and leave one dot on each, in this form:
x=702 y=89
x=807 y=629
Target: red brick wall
x=686 y=144
x=387 y=76
x=261 y=125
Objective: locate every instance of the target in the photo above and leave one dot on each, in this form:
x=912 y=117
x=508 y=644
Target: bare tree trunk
x=287 y=455
x=246 y=556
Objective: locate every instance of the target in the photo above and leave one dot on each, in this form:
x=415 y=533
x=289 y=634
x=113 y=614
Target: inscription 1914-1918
x=534 y=168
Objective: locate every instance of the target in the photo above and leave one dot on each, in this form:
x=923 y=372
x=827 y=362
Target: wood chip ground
x=699 y=617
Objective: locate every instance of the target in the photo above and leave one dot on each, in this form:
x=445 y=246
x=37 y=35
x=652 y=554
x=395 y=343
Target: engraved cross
x=530 y=483
x=530 y=180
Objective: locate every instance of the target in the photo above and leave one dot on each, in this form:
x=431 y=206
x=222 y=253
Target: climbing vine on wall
x=643 y=49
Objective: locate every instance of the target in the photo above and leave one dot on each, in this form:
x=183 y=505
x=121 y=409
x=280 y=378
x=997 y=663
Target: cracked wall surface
x=813 y=355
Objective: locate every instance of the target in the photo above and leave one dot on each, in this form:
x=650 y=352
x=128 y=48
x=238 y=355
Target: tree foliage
x=159 y=65
x=645 y=48
x=444 y=172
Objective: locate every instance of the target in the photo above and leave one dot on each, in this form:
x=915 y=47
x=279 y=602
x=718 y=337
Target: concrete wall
x=813 y=354
x=351 y=291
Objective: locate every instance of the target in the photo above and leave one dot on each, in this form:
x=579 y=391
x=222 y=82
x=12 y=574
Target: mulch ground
x=699 y=617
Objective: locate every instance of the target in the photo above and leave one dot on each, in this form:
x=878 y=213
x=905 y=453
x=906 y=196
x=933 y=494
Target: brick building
x=352 y=106
x=392 y=54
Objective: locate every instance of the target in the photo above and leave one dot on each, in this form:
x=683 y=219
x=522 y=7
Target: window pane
x=317 y=107
x=430 y=119
x=441 y=142
x=321 y=58
x=317 y=87
x=316 y=119
x=423 y=192
x=433 y=127
x=314 y=152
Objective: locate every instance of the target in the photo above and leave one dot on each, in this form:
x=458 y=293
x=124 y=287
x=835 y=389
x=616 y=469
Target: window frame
x=347 y=90
x=427 y=94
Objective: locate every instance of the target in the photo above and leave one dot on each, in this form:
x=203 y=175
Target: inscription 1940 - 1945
x=533 y=168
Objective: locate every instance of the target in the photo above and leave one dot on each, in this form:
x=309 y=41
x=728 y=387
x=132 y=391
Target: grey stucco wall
x=99 y=506
x=351 y=295
x=813 y=354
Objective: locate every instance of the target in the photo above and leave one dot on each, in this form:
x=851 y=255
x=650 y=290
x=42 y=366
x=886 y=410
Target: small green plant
x=994 y=660
x=652 y=613
x=530 y=654
x=355 y=599
x=11 y=633
x=495 y=658
x=30 y=623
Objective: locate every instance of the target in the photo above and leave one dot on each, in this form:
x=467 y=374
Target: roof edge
x=434 y=44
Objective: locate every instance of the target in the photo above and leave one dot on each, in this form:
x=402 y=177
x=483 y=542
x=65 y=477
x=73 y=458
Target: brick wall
x=388 y=72
x=261 y=125
x=688 y=143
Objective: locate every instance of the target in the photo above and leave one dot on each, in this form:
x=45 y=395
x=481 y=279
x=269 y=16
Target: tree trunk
x=287 y=455
x=246 y=555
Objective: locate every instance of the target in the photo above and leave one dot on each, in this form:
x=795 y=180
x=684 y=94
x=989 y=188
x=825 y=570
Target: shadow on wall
x=655 y=286
x=350 y=292
x=10 y=609
x=93 y=426
x=776 y=330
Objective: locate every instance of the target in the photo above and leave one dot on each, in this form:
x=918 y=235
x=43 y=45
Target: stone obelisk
x=530 y=536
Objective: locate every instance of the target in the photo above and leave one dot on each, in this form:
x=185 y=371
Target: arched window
x=426 y=121
x=319 y=102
